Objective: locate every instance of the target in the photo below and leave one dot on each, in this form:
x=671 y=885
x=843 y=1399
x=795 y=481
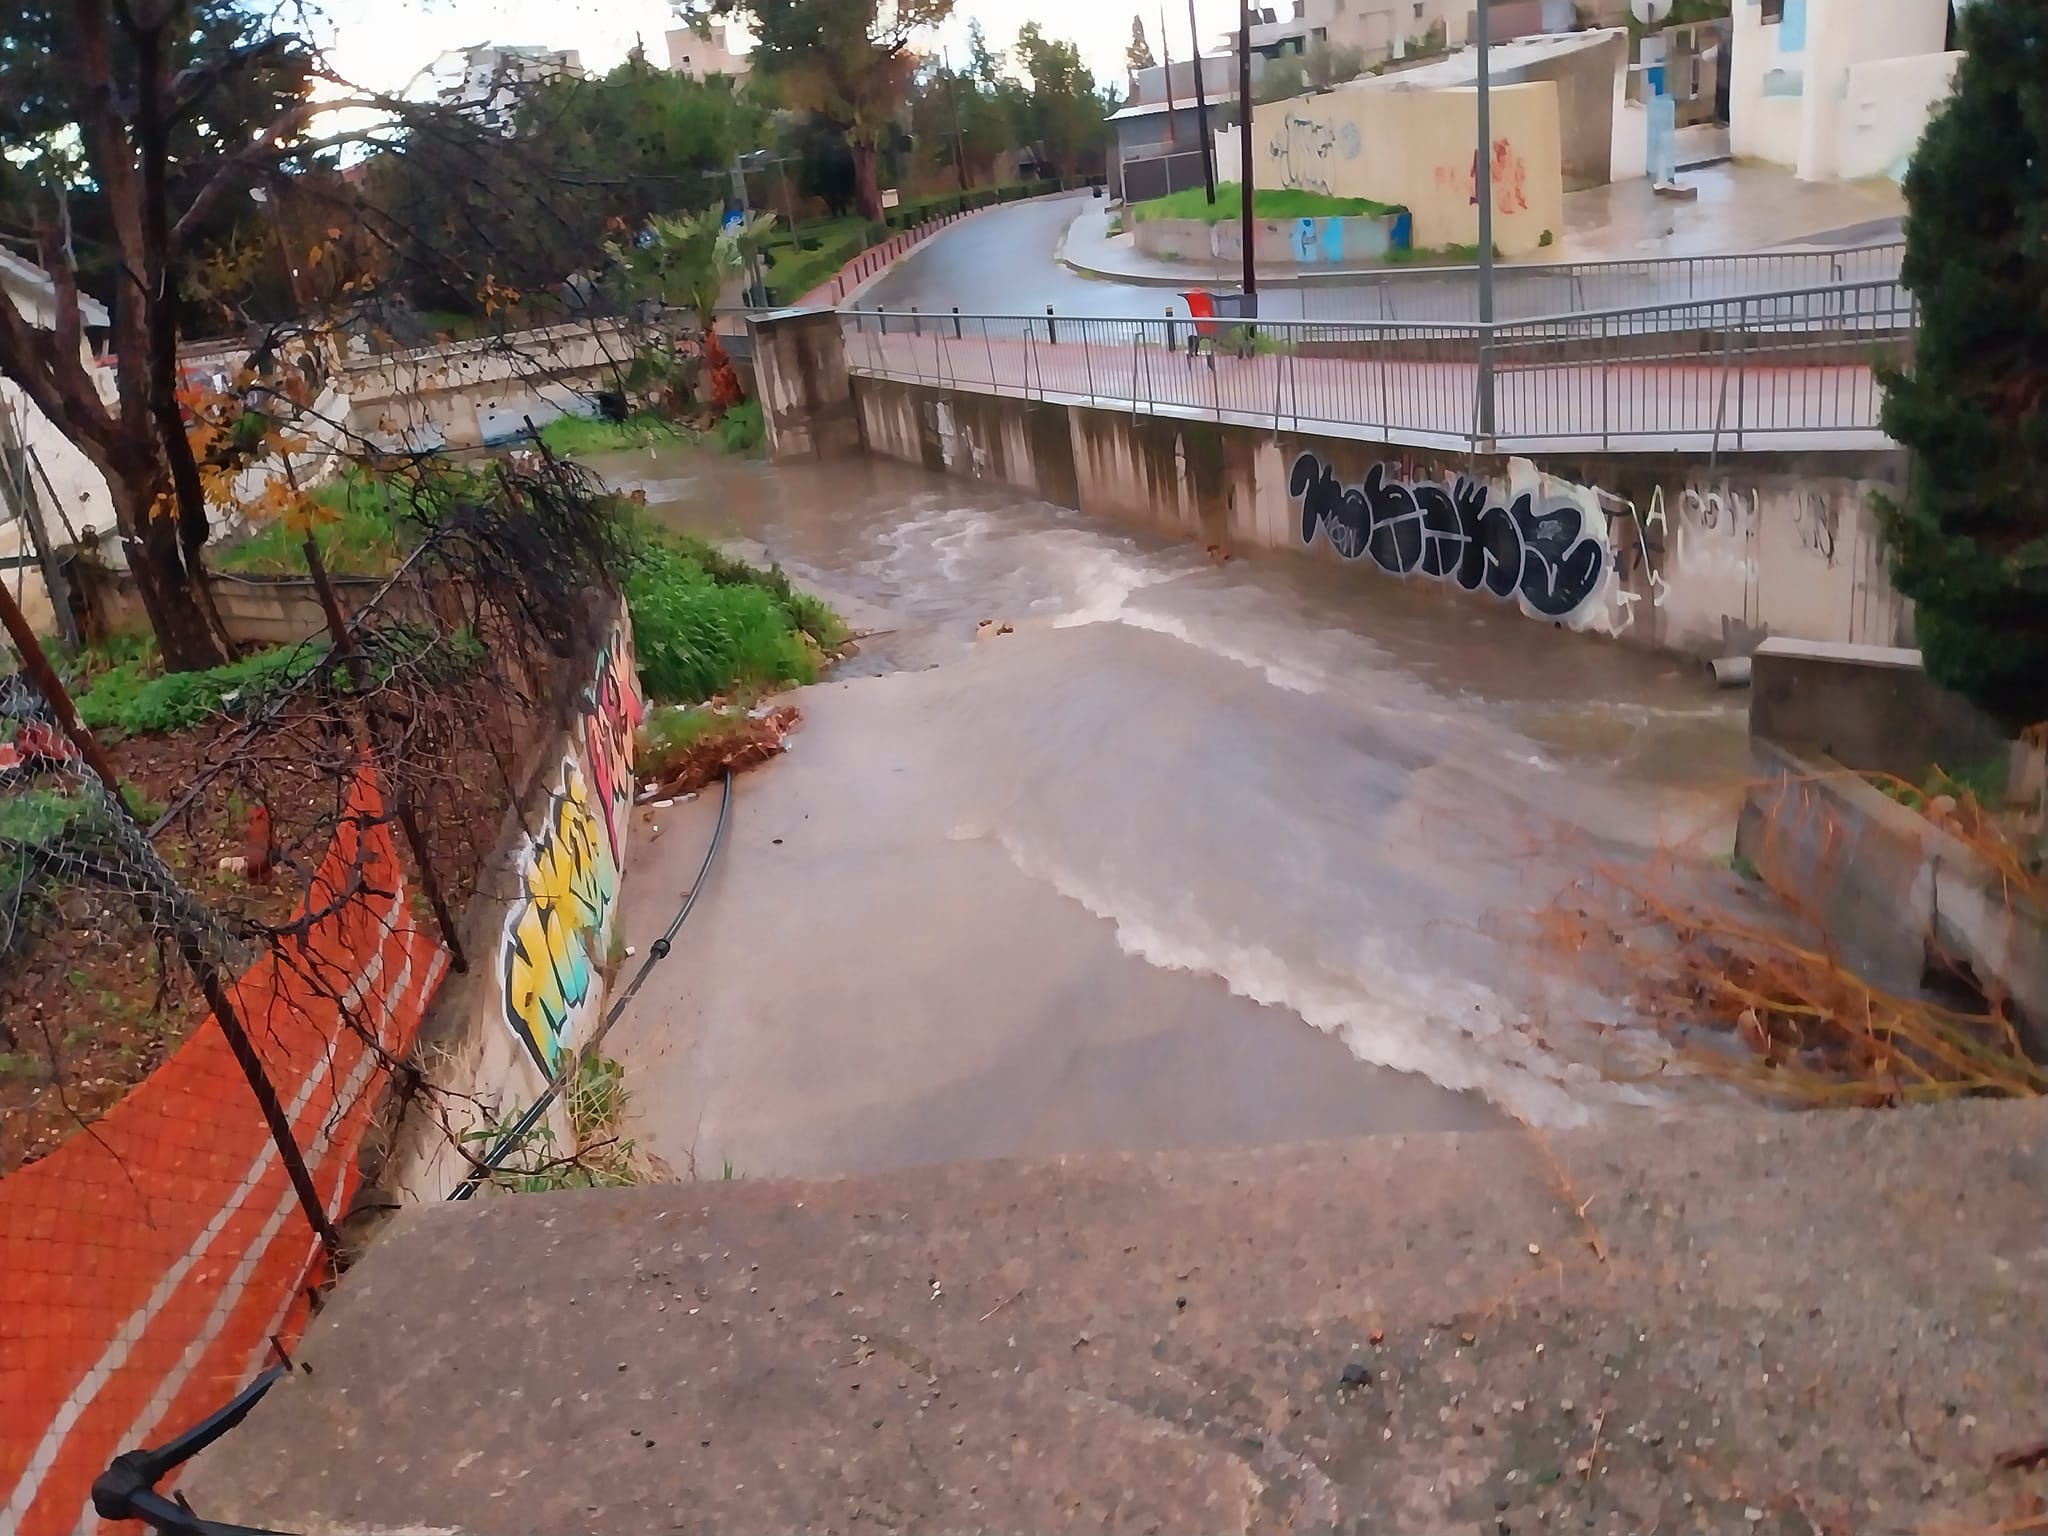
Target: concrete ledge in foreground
x=1803 y=1323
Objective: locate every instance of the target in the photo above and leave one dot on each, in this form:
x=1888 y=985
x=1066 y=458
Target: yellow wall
x=1415 y=147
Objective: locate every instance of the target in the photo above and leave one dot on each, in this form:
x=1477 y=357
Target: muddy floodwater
x=1195 y=854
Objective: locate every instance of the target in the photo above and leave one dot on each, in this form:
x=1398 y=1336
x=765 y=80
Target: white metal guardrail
x=1793 y=368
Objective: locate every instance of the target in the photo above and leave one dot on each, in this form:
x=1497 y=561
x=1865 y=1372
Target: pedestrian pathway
x=1739 y=208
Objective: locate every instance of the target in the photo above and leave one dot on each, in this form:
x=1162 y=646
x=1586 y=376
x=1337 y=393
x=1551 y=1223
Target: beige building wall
x=1414 y=147
x=702 y=57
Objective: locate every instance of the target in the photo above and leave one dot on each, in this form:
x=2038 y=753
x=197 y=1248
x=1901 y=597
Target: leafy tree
x=1326 y=64
x=1969 y=542
x=848 y=61
x=1282 y=77
x=1139 y=54
x=688 y=262
x=1065 y=114
x=130 y=130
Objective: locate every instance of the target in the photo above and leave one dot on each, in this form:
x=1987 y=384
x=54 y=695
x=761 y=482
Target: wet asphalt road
x=1006 y=262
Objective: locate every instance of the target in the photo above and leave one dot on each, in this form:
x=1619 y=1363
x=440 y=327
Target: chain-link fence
x=215 y=964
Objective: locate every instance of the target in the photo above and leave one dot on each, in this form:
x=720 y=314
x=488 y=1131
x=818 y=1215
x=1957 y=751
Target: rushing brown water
x=1195 y=854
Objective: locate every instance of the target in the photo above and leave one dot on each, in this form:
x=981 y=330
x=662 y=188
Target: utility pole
x=1166 y=64
x=1202 y=111
x=959 y=142
x=1482 y=186
x=1244 y=149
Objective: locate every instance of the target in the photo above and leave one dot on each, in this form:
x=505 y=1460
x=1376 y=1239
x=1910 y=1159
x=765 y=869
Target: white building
x=80 y=488
x=486 y=79
x=1837 y=89
x=705 y=56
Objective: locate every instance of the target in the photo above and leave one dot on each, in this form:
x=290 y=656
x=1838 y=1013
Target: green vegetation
x=569 y=437
x=705 y=624
x=1985 y=784
x=599 y=1158
x=128 y=698
x=1267 y=203
x=740 y=429
x=668 y=736
x=1682 y=12
x=1969 y=541
x=1437 y=256
x=357 y=524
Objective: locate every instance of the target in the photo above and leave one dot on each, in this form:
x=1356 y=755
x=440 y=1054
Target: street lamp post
x=1244 y=150
x=1482 y=178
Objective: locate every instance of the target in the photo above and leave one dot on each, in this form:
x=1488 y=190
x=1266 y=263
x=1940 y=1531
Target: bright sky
x=380 y=44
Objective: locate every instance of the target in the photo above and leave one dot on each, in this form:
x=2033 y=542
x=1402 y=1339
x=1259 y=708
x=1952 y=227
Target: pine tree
x=1139 y=54
x=1969 y=542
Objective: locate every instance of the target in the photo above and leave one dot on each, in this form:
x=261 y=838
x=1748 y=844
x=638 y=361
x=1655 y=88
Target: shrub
x=696 y=636
x=740 y=429
x=1969 y=541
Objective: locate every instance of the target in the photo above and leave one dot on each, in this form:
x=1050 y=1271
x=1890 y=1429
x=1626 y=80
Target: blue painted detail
x=1661 y=156
x=1792 y=30
x=1333 y=240
x=1304 y=240
x=1653 y=77
x=1404 y=231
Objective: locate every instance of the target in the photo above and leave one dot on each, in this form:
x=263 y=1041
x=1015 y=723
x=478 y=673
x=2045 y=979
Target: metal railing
x=1793 y=368
x=1533 y=290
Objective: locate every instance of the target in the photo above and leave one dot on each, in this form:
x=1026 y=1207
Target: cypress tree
x=1969 y=542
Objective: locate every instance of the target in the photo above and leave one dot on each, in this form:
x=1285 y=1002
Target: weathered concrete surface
x=1898 y=895
x=800 y=364
x=1871 y=707
x=1823 y=1323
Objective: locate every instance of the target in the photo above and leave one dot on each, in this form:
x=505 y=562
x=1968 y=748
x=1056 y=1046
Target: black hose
x=656 y=953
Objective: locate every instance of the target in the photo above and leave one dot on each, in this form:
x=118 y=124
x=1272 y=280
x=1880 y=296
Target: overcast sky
x=382 y=43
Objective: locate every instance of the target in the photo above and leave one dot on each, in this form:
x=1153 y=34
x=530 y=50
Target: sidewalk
x=1752 y=1323
x=1740 y=208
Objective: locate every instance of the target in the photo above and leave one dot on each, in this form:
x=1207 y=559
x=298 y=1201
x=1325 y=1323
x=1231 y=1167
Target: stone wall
x=1651 y=549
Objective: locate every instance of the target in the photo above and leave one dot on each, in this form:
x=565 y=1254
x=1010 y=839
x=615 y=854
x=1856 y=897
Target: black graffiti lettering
x=1443 y=535
x=1546 y=557
x=1396 y=540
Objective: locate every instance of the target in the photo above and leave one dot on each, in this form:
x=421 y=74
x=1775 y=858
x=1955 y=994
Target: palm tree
x=685 y=262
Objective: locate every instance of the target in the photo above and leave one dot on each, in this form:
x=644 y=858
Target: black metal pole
x=1202 y=112
x=1482 y=178
x=1244 y=142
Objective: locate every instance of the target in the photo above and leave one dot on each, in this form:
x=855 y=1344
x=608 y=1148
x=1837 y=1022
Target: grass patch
x=599 y=1158
x=706 y=624
x=569 y=437
x=1267 y=203
x=358 y=525
x=1436 y=256
x=130 y=699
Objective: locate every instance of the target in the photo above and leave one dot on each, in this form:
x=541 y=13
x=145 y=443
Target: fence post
x=1742 y=371
x=401 y=802
x=1050 y=338
x=958 y=334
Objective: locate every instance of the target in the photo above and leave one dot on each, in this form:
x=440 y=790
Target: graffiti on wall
x=553 y=931
x=1304 y=147
x=1540 y=550
x=554 y=934
x=1508 y=175
x=611 y=714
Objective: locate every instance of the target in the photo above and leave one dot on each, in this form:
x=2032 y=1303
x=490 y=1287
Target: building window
x=1418 y=10
x=1774 y=12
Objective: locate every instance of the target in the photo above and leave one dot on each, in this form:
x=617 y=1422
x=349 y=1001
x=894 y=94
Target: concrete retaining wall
x=1652 y=550
x=1896 y=894
x=537 y=935
x=1279 y=242
x=1415 y=149
x=1872 y=707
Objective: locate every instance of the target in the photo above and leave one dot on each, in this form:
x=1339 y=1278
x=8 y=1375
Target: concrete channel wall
x=1667 y=551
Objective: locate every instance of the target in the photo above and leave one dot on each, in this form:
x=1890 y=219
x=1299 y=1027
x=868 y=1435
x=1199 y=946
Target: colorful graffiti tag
x=555 y=932
x=611 y=715
x=1546 y=556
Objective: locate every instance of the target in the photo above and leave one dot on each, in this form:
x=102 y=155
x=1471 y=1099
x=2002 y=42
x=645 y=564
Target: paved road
x=1005 y=262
